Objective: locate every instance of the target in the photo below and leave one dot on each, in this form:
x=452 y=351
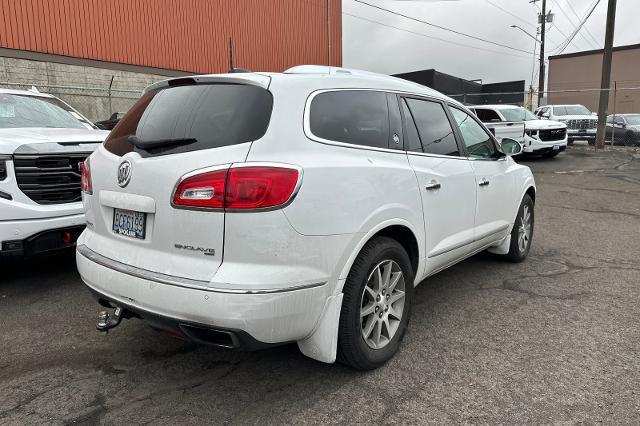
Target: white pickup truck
x=498 y=125
x=541 y=137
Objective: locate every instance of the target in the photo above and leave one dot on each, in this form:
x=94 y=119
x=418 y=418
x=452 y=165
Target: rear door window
x=433 y=128
x=358 y=117
x=192 y=117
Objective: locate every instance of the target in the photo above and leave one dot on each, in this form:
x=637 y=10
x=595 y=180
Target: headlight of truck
x=532 y=133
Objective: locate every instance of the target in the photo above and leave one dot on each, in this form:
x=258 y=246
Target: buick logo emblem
x=124 y=173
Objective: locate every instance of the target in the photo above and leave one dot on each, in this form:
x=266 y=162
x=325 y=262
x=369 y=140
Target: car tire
x=569 y=141
x=522 y=232
x=368 y=309
x=629 y=139
x=591 y=142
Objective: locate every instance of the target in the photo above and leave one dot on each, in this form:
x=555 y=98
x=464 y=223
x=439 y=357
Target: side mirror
x=510 y=147
x=546 y=115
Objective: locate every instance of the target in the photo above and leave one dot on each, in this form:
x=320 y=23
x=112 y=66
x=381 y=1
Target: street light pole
x=526 y=32
x=605 y=84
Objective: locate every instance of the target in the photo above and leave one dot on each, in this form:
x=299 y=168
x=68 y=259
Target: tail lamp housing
x=243 y=187
x=85 y=177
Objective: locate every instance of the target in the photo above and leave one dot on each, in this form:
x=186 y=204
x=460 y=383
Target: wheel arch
x=399 y=230
x=531 y=192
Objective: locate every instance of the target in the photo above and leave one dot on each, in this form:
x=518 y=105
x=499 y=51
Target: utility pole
x=543 y=24
x=605 y=85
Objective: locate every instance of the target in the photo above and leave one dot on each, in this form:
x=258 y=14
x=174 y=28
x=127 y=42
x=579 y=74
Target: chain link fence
x=99 y=103
x=622 y=100
x=95 y=103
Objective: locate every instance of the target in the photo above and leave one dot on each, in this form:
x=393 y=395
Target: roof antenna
x=233 y=69
x=230 y=55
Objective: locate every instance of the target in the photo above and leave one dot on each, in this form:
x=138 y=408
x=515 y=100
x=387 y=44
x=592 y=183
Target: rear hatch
x=173 y=130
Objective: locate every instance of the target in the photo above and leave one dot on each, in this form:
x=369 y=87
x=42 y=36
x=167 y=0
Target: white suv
x=246 y=210
x=581 y=123
x=42 y=142
x=541 y=137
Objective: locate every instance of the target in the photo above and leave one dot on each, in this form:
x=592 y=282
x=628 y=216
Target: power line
x=442 y=28
x=564 y=12
x=585 y=28
x=510 y=13
x=433 y=37
x=577 y=30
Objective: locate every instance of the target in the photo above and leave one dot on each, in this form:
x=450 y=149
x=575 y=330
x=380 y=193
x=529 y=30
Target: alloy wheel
x=524 y=232
x=382 y=304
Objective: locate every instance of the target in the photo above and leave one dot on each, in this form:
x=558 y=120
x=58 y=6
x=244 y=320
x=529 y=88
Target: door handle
x=483 y=182
x=433 y=185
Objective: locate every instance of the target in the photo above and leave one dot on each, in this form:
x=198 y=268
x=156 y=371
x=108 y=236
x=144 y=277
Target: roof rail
x=324 y=69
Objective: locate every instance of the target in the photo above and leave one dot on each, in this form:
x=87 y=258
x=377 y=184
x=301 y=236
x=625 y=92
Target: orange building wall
x=185 y=35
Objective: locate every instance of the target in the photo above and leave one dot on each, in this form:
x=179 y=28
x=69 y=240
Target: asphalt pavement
x=553 y=339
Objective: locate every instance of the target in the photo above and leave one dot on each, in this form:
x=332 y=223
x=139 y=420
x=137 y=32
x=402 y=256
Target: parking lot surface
x=553 y=339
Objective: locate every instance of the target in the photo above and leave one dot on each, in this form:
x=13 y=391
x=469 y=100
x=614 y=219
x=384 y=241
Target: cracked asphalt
x=553 y=339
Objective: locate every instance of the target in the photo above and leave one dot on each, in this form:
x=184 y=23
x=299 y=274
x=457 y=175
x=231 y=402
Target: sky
x=411 y=46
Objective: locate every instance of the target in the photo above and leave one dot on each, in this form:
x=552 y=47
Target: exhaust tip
x=210 y=336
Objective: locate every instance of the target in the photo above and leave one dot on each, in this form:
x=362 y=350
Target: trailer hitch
x=107 y=322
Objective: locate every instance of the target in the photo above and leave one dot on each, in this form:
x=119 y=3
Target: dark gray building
x=467 y=91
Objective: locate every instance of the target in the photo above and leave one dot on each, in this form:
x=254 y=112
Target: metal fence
x=95 y=103
x=621 y=99
x=98 y=103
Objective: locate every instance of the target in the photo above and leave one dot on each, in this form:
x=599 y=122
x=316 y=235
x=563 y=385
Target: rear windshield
x=190 y=118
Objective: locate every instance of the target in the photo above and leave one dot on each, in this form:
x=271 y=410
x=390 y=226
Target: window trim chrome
x=309 y=134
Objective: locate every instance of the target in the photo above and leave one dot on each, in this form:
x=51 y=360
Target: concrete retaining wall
x=85 y=88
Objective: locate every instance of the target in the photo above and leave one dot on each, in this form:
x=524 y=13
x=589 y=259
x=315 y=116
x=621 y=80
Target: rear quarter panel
x=345 y=190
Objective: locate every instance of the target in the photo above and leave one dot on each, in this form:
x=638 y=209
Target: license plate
x=556 y=147
x=129 y=223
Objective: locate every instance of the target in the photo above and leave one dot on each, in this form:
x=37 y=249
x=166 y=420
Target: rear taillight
x=85 y=179
x=238 y=188
x=205 y=190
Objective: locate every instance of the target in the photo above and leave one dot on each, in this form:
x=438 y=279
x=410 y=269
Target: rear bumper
x=199 y=333
x=259 y=317
x=25 y=238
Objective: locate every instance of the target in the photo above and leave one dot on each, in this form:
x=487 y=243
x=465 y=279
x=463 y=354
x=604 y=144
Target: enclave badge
x=124 y=173
x=204 y=250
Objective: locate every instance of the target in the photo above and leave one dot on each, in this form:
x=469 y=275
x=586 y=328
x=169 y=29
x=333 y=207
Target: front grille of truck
x=552 y=135
x=49 y=178
x=582 y=124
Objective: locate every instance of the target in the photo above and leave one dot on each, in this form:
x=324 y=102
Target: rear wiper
x=139 y=143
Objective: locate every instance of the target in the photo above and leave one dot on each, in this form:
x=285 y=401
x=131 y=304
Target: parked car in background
x=42 y=142
x=624 y=129
x=581 y=123
x=541 y=137
x=214 y=215
x=110 y=123
x=499 y=125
